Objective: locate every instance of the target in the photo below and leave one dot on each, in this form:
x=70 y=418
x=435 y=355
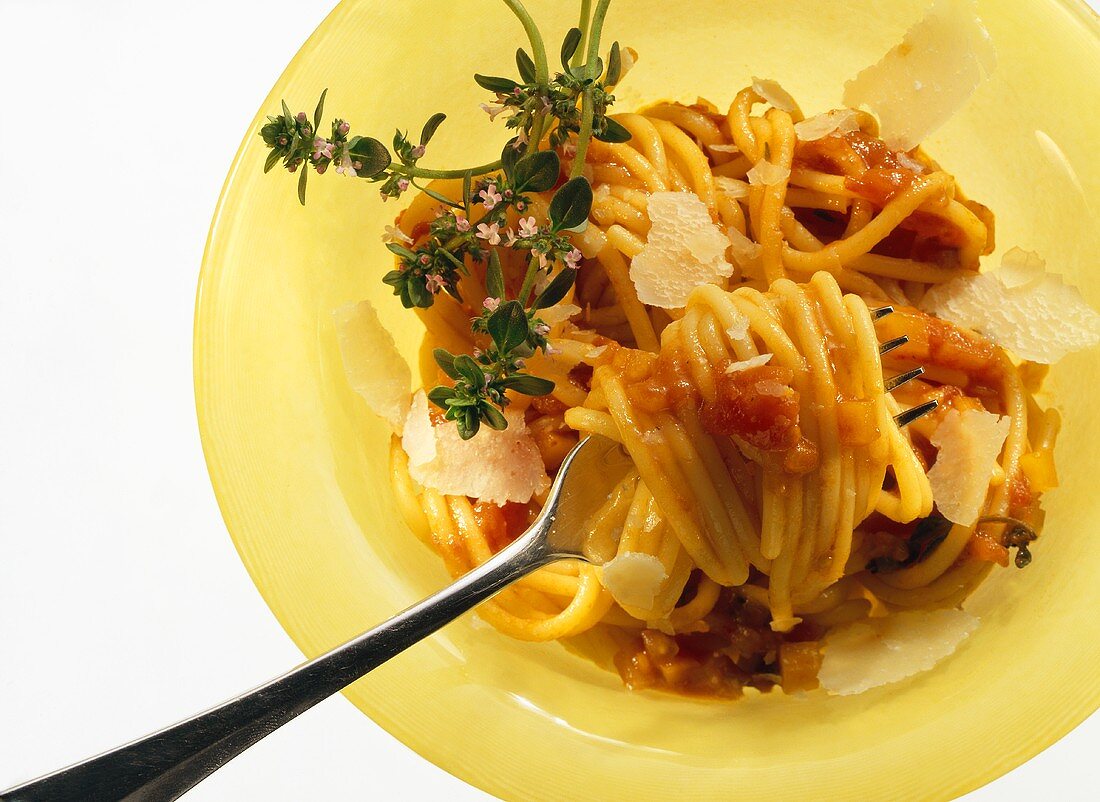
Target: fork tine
x=890 y=345
x=919 y=411
x=881 y=312
x=902 y=378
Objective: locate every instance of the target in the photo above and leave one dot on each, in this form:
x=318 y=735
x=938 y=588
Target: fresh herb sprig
x=563 y=111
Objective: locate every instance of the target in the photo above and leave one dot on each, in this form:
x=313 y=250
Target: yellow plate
x=299 y=466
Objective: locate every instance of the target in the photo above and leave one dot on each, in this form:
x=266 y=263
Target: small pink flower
x=492 y=111
x=345 y=166
x=521 y=206
x=489 y=232
x=425 y=259
x=491 y=303
x=569 y=150
x=418 y=151
x=321 y=168
x=550 y=350
x=521 y=139
x=528 y=227
x=402 y=184
x=343 y=128
x=322 y=149
x=490 y=197
x=434 y=283
x=395 y=234
x=542 y=329
x=477 y=352
x=510 y=238
x=461 y=223
x=573 y=259
x=300 y=116
x=488 y=378
x=543 y=260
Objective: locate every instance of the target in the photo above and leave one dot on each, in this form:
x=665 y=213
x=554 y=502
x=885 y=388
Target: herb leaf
x=569 y=46
x=502 y=86
x=527 y=384
x=494 y=276
x=613 y=132
x=536 y=172
x=525 y=65
x=556 y=289
x=571 y=204
x=429 y=129
x=371 y=153
x=508 y=326
x=446 y=361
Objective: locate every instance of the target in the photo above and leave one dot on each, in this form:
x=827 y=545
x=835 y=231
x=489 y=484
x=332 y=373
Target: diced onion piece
x=879 y=651
x=684 y=248
x=968 y=444
x=1034 y=315
x=751 y=362
x=840 y=121
x=494 y=466
x=634 y=579
x=917 y=86
x=774 y=94
x=372 y=363
x=764 y=173
x=418 y=439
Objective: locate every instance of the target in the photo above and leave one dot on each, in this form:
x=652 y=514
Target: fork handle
x=165 y=764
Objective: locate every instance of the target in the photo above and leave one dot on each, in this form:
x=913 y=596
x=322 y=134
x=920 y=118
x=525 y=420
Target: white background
x=123 y=605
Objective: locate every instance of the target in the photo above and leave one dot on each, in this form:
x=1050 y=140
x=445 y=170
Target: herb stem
x=586 y=9
x=592 y=56
x=528 y=281
x=420 y=172
x=538 y=49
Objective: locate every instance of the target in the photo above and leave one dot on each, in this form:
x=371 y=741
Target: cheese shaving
x=774 y=94
x=909 y=163
x=731 y=186
x=840 y=121
x=968 y=445
x=764 y=173
x=684 y=248
x=730 y=148
x=751 y=362
x=553 y=315
x=744 y=251
x=418 y=439
x=634 y=579
x=739 y=330
x=1021 y=307
x=879 y=651
x=917 y=86
x=375 y=369
x=494 y=466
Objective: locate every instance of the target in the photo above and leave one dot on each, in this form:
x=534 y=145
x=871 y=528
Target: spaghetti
x=771 y=482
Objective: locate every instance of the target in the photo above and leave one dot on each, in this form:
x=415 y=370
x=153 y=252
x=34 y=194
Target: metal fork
x=168 y=762
x=165 y=764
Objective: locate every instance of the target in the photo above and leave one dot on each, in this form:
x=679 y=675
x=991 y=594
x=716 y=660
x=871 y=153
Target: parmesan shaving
x=731 y=186
x=767 y=174
x=724 y=148
x=418 y=439
x=745 y=252
x=553 y=315
x=751 y=362
x=634 y=579
x=595 y=352
x=494 y=466
x=774 y=94
x=968 y=445
x=917 y=86
x=840 y=121
x=374 y=368
x=909 y=163
x=879 y=651
x=1021 y=307
x=684 y=248
x=739 y=330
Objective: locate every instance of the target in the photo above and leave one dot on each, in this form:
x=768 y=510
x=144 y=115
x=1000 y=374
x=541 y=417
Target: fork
x=168 y=762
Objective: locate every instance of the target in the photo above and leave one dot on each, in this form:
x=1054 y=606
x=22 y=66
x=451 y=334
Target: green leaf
x=571 y=204
x=614 y=65
x=431 y=193
x=287 y=114
x=569 y=46
x=494 y=276
x=613 y=132
x=527 y=384
x=401 y=250
x=418 y=294
x=441 y=395
x=493 y=417
x=395 y=278
x=318 y=111
x=446 y=361
x=526 y=66
x=556 y=289
x=468 y=424
x=430 y=127
x=536 y=172
x=302 y=183
x=272 y=160
x=509 y=157
x=508 y=326
x=371 y=153
x=502 y=86
x=467 y=190
x=580 y=72
x=469 y=370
